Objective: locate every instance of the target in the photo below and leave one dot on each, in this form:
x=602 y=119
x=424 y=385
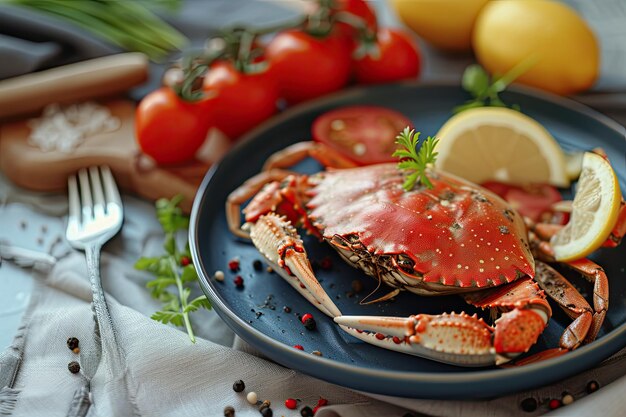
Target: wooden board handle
x=84 y=80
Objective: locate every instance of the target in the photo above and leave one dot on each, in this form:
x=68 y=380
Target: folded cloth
x=164 y=374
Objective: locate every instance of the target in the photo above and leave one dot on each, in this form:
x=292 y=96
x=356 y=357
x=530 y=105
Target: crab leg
x=247 y=190
x=594 y=274
x=278 y=241
x=297 y=152
x=459 y=338
x=455 y=338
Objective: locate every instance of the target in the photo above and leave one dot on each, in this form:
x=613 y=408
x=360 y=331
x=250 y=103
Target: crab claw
x=455 y=338
x=280 y=244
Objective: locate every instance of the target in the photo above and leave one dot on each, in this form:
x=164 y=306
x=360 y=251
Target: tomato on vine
x=308 y=66
x=169 y=128
x=243 y=99
x=355 y=8
x=391 y=55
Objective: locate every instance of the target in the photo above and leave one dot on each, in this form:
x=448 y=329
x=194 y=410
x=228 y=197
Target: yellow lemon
x=594 y=211
x=446 y=24
x=561 y=47
x=496 y=143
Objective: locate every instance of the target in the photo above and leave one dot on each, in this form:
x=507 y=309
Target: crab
x=456 y=238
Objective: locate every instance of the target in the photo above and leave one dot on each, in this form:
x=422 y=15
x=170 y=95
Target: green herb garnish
x=485 y=89
x=415 y=161
x=173 y=270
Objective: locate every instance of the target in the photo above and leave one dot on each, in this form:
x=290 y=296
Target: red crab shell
x=458 y=234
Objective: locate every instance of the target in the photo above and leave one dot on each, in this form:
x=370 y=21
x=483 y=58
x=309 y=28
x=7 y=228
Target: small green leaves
x=413 y=161
x=485 y=90
x=171 y=272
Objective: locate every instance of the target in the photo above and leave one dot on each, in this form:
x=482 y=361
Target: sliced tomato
x=533 y=201
x=364 y=134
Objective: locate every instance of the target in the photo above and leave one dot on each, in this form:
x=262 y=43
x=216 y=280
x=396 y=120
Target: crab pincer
x=279 y=242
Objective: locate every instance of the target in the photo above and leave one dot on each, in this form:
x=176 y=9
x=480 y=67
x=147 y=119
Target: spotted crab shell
x=457 y=233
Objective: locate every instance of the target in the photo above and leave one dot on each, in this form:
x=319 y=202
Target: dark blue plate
x=256 y=312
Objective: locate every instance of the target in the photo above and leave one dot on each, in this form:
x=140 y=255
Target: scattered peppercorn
x=270 y=269
x=267 y=412
x=299 y=347
x=317 y=352
x=238 y=281
x=233 y=264
x=592 y=386
x=326 y=263
x=72 y=343
x=529 y=404
x=265 y=404
x=308 y=321
x=357 y=286
x=320 y=403
x=219 y=276
x=554 y=404
x=239 y=386
x=257 y=265
x=306 y=411
x=291 y=403
x=184 y=260
x=567 y=398
x=287 y=309
x=74 y=367
x=252 y=397
x=229 y=411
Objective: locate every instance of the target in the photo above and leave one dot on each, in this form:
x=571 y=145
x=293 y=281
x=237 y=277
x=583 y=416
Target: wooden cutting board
x=30 y=167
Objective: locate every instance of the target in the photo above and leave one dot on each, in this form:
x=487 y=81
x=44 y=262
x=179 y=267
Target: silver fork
x=95 y=216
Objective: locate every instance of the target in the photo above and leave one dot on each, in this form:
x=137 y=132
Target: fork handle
x=106 y=337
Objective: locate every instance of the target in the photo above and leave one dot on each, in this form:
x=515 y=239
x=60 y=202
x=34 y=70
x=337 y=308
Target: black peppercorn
x=239 y=386
x=257 y=265
x=529 y=404
x=267 y=412
x=310 y=324
x=592 y=386
x=74 y=367
x=72 y=343
x=229 y=411
x=306 y=411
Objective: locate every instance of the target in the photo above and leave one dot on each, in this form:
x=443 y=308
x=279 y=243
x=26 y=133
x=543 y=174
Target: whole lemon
x=446 y=24
x=556 y=43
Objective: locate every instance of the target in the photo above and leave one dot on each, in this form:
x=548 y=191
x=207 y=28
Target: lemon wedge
x=496 y=143
x=594 y=211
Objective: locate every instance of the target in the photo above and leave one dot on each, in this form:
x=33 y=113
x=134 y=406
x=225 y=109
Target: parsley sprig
x=173 y=270
x=417 y=162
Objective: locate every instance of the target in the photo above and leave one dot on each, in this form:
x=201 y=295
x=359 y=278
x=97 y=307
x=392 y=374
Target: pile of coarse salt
x=65 y=128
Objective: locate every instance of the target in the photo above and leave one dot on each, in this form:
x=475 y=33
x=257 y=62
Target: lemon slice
x=594 y=211
x=495 y=143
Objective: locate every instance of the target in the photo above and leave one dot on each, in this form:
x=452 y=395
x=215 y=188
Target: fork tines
x=90 y=193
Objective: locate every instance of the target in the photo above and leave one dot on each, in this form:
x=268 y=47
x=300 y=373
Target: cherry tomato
x=395 y=57
x=170 y=129
x=358 y=8
x=307 y=67
x=532 y=201
x=243 y=100
x=364 y=134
